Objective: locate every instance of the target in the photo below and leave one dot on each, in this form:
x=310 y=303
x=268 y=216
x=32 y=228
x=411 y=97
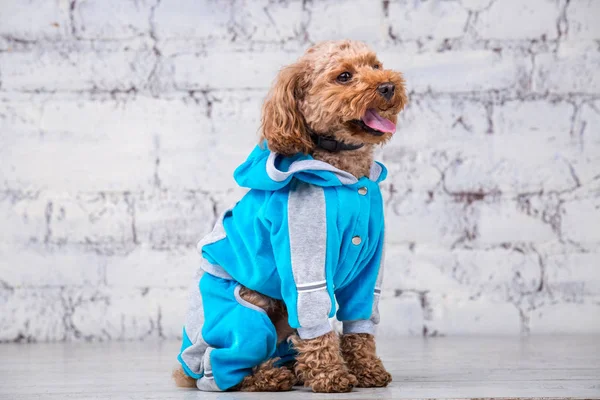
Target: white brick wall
x=121 y=122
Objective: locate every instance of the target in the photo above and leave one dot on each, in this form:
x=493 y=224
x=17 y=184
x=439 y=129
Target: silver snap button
x=356 y=240
x=362 y=191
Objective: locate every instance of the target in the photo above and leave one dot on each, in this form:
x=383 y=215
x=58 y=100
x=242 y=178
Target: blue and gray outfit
x=306 y=233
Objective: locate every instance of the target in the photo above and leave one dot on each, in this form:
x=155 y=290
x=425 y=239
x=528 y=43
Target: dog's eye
x=376 y=66
x=344 y=77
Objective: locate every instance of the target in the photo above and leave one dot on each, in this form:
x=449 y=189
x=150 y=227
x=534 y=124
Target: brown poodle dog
x=336 y=103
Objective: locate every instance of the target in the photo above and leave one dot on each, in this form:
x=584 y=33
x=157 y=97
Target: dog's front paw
x=359 y=352
x=371 y=373
x=319 y=364
x=338 y=380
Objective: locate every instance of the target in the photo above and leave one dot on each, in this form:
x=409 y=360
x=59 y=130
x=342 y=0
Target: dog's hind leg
x=267 y=377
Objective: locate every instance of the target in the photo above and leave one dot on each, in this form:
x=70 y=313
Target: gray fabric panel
x=195 y=313
x=345 y=178
x=207 y=365
x=315 y=331
x=207 y=385
x=375 y=171
x=215 y=270
x=244 y=303
x=192 y=356
x=218 y=233
x=377 y=292
x=313 y=307
x=307 y=226
x=207 y=382
x=360 y=326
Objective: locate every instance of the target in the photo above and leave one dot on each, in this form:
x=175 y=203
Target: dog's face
x=337 y=89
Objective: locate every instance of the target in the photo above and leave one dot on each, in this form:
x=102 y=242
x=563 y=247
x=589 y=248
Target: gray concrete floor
x=445 y=367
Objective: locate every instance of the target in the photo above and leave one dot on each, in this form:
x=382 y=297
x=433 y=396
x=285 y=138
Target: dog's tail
x=182 y=379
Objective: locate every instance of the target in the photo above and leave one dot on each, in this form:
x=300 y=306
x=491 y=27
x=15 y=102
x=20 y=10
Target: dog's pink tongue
x=376 y=121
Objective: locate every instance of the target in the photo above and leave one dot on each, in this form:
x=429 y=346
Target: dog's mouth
x=374 y=124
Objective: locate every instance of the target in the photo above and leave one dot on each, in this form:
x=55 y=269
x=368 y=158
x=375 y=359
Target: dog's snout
x=386 y=90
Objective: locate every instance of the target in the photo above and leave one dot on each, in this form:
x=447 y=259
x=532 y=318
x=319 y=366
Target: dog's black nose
x=386 y=90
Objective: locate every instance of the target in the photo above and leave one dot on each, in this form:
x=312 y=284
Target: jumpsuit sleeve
x=300 y=247
x=359 y=301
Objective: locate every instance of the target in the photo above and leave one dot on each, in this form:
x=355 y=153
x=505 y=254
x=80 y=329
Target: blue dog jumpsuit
x=306 y=233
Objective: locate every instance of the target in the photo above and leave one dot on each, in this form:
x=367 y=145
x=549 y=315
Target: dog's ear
x=282 y=124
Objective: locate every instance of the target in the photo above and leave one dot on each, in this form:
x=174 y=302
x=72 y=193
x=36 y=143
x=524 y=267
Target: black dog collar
x=332 y=145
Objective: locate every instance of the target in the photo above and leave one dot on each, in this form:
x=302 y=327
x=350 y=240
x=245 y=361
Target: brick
x=508 y=175
x=459 y=71
x=499 y=273
x=172 y=312
x=439 y=122
x=580 y=220
x=146 y=266
x=35 y=19
x=400 y=316
x=408 y=170
x=541 y=120
x=570 y=70
x=506 y=222
x=19 y=117
x=581 y=16
x=36 y=265
x=31 y=315
x=23 y=217
x=572 y=276
x=112 y=19
x=61 y=218
x=566 y=318
x=429 y=131
x=508 y=272
x=452 y=315
x=215 y=148
x=187 y=19
x=229 y=70
x=97 y=218
x=125 y=314
x=476 y=5
x=326 y=21
x=418 y=270
x=411 y=20
x=268 y=21
x=233 y=21
x=503 y=161
x=425 y=218
x=73 y=66
x=109 y=138
x=166 y=219
x=511 y=19
x=588 y=161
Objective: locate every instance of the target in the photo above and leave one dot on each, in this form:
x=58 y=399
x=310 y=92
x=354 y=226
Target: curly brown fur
x=268 y=378
x=359 y=353
x=182 y=379
x=307 y=94
x=319 y=364
x=275 y=309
